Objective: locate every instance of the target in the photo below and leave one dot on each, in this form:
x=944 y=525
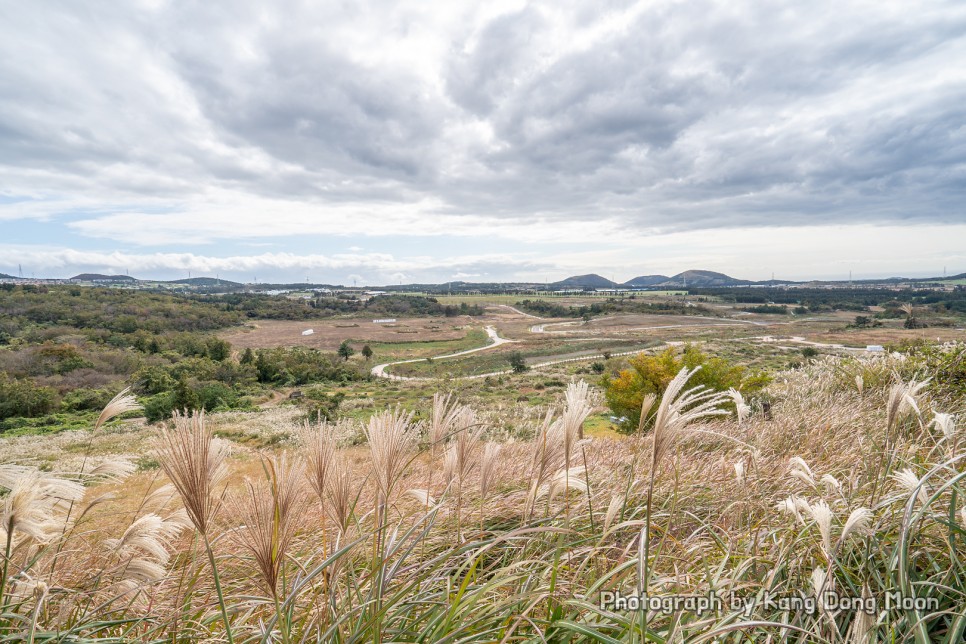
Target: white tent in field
x=308 y=332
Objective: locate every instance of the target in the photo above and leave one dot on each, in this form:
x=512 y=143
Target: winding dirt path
x=495 y=340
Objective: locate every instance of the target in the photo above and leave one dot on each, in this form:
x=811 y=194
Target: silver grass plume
x=741 y=408
x=391 y=446
x=678 y=409
x=318 y=456
x=194 y=461
x=488 y=468
x=122 y=403
x=270 y=511
x=903 y=398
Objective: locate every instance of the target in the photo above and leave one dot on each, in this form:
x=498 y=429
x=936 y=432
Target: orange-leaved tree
x=650 y=374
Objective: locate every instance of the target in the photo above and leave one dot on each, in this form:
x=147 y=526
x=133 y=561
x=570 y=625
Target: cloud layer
x=159 y=124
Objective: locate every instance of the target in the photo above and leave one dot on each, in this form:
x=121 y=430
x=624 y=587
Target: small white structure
x=308 y=332
x=875 y=348
x=384 y=321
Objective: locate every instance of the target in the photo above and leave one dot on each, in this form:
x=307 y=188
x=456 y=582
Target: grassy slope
x=713 y=527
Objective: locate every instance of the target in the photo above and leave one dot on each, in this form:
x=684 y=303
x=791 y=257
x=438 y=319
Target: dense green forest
x=66 y=350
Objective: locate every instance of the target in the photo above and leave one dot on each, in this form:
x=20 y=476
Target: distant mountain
x=702 y=279
x=646 y=280
x=97 y=277
x=206 y=281
x=961 y=276
x=775 y=283
x=584 y=281
x=4 y=276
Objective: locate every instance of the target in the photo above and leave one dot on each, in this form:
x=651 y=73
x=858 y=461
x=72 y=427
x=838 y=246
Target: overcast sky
x=389 y=142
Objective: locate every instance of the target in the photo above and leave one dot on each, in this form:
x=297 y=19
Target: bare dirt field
x=328 y=334
x=891 y=333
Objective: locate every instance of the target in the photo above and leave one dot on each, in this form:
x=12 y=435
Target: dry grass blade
x=319 y=454
x=467 y=443
x=615 y=505
x=113 y=469
x=269 y=511
x=903 y=398
x=822 y=515
x=421 y=496
x=646 y=405
x=857 y=523
x=741 y=407
x=195 y=462
x=911 y=484
x=450 y=465
x=563 y=481
x=391 y=445
x=548 y=454
x=677 y=410
x=119 y=404
x=488 y=468
x=446 y=411
x=341 y=492
x=144 y=550
x=27 y=510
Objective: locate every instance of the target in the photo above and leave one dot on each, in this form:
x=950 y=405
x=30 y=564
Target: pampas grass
x=195 y=463
x=488 y=464
x=122 y=403
x=678 y=409
x=392 y=443
x=341 y=492
x=700 y=503
x=269 y=510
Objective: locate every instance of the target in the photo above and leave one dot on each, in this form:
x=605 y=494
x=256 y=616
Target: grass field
x=324 y=535
x=498 y=359
x=564 y=299
x=329 y=333
x=384 y=351
x=508 y=515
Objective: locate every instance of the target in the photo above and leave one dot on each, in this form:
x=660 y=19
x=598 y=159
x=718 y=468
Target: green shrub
x=517 y=362
x=86 y=399
x=20 y=397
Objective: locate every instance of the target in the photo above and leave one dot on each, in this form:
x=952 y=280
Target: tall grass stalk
x=677 y=409
x=195 y=463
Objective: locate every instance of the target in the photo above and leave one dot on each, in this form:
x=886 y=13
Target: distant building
x=875 y=348
x=384 y=321
x=308 y=332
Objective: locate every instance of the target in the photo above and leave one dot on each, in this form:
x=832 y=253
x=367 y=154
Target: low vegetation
x=629 y=304
x=442 y=527
x=69 y=349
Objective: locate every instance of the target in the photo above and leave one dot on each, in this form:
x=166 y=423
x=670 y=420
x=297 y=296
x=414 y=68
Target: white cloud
x=593 y=123
x=790 y=253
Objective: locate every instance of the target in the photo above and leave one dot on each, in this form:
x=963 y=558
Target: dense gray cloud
x=652 y=116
